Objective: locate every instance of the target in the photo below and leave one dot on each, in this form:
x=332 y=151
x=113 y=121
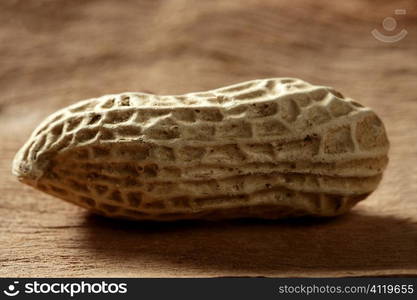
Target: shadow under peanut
x=356 y=241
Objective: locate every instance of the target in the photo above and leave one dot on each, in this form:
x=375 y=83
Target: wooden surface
x=53 y=53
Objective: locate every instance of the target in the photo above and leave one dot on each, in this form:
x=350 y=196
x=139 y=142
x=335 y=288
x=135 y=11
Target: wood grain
x=55 y=53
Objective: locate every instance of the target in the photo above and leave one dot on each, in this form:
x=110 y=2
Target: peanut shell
x=269 y=148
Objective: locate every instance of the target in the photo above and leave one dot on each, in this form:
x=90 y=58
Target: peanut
x=266 y=148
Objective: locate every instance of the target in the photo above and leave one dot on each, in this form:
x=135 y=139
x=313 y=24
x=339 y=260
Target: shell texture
x=268 y=148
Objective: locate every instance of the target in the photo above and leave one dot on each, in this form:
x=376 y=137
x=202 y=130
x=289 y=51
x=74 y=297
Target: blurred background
x=54 y=53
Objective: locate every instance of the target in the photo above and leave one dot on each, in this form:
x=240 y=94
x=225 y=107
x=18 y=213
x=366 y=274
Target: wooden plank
x=53 y=54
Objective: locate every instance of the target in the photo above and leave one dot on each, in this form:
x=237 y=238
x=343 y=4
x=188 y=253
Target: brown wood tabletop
x=54 y=53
